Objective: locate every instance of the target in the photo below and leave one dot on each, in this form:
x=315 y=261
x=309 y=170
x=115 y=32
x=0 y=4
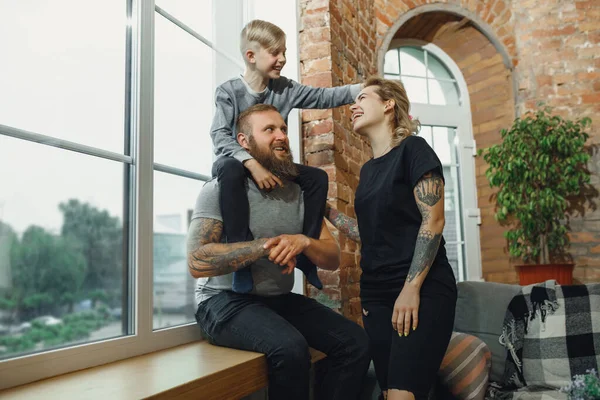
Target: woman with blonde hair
x=408 y=289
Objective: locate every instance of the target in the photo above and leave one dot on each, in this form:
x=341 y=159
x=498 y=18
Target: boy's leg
x=235 y=211
x=340 y=375
x=243 y=321
x=314 y=184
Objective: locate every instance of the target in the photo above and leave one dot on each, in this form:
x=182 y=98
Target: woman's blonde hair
x=267 y=35
x=402 y=123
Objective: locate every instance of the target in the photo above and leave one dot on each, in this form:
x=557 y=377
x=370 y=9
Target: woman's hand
x=406 y=310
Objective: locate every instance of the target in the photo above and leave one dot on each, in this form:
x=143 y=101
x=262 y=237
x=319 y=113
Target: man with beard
x=270 y=319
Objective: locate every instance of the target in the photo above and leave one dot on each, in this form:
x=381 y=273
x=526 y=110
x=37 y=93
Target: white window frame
x=32 y=367
x=458 y=117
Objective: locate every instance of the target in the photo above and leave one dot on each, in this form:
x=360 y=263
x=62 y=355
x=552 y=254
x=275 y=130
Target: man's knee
x=291 y=354
x=228 y=168
x=361 y=346
x=356 y=346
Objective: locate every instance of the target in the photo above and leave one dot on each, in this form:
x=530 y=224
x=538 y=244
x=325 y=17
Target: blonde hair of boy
x=265 y=34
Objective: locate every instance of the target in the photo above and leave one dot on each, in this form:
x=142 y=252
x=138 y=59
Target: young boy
x=263 y=48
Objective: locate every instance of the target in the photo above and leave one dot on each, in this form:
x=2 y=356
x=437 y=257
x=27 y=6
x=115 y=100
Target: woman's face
x=368 y=110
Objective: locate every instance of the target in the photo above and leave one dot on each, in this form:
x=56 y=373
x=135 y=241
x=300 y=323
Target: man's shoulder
x=209 y=193
x=207 y=202
x=210 y=187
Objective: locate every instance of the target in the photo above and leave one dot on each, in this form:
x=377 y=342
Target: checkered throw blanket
x=551 y=333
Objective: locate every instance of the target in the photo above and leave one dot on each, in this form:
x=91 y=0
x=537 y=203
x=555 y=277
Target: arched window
x=439 y=99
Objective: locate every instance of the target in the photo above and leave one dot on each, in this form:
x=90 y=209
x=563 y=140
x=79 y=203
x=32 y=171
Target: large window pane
x=425 y=133
x=391 y=65
x=174 y=199
x=63 y=69
x=443 y=144
x=416 y=89
x=442 y=93
x=184 y=97
x=452 y=228
x=412 y=62
x=62 y=248
x=436 y=69
x=198 y=15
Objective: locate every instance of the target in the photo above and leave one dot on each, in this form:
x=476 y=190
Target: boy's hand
x=263 y=177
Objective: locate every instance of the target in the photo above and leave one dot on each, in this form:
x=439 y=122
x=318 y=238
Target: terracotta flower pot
x=535 y=273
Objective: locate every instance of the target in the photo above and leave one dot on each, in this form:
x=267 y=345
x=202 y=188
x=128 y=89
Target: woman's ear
x=389 y=105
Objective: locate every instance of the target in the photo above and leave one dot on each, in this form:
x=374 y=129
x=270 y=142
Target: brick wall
x=492 y=107
x=559 y=63
x=553 y=53
x=337 y=45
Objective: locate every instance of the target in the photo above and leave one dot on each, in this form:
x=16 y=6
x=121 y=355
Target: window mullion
x=143 y=133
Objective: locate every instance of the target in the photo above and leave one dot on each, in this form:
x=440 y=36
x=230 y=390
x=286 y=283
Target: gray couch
x=480 y=311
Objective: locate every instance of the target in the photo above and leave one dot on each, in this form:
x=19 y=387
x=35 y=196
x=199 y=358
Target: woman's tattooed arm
x=429 y=195
x=208 y=257
x=345 y=224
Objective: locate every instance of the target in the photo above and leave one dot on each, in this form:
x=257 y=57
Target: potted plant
x=540 y=168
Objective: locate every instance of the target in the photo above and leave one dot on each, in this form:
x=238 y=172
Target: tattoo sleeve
x=348 y=226
x=429 y=194
x=208 y=257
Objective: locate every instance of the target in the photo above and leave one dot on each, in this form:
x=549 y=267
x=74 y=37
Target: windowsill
x=194 y=370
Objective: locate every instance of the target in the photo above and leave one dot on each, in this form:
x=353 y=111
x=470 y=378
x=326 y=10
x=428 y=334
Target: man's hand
x=285 y=248
x=263 y=177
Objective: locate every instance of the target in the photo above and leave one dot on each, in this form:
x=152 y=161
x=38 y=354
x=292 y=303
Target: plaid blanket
x=551 y=333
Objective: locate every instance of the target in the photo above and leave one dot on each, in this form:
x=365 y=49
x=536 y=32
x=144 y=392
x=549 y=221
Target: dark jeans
x=283 y=327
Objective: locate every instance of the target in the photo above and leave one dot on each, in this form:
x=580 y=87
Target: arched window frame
x=458 y=117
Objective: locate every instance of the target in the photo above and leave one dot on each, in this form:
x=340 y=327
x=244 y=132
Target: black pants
x=410 y=362
x=235 y=209
x=283 y=327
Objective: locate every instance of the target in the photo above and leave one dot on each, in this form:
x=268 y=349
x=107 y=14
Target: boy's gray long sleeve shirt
x=235 y=96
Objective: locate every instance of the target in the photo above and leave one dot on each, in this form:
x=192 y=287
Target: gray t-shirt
x=235 y=96
x=280 y=211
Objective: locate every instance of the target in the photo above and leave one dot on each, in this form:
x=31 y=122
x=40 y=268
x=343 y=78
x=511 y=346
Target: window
x=104 y=145
x=439 y=99
x=64 y=239
x=426 y=79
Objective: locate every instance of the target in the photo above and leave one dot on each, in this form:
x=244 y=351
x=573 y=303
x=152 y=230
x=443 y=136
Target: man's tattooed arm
x=208 y=257
x=348 y=226
x=429 y=195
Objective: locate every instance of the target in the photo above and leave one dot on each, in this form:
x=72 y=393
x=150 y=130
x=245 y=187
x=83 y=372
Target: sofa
x=480 y=312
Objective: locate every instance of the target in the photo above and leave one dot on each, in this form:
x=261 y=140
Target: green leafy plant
x=539 y=167
x=584 y=387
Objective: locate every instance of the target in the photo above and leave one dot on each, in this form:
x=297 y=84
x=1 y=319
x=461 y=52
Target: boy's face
x=269 y=62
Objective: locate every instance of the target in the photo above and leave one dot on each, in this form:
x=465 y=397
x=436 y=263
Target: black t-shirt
x=387 y=213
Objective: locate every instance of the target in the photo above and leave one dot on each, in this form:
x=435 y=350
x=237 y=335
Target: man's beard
x=281 y=168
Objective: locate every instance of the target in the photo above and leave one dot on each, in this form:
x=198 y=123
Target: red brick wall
x=337 y=47
x=553 y=48
x=492 y=107
x=559 y=63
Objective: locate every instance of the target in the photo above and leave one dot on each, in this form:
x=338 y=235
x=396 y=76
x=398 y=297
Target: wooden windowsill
x=194 y=370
